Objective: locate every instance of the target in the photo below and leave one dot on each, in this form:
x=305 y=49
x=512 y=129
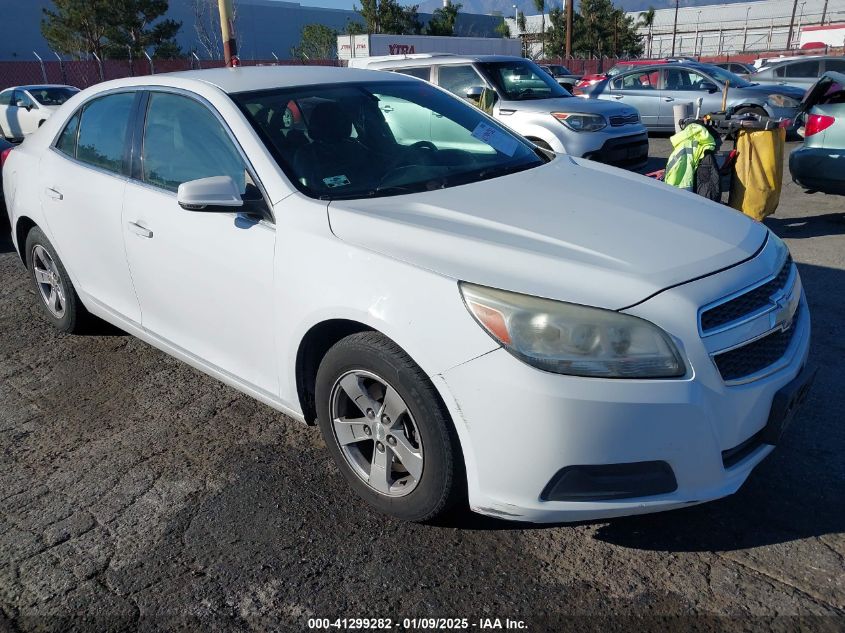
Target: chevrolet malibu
x=459 y=330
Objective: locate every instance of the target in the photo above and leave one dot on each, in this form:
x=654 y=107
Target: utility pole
x=791 y=24
x=745 y=30
x=230 y=46
x=569 y=28
x=824 y=13
x=675 y=28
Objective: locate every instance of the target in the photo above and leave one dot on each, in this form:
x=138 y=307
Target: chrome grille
x=756 y=355
x=747 y=303
x=624 y=119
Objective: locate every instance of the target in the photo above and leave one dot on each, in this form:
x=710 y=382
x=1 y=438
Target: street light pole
x=230 y=46
x=745 y=30
x=791 y=24
x=675 y=28
x=695 y=43
x=569 y=28
x=800 y=19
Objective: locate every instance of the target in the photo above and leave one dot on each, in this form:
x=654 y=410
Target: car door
x=798 y=73
x=5 y=112
x=457 y=79
x=81 y=184
x=204 y=279
x=27 y=114
x=639 y=89
x=684 y=85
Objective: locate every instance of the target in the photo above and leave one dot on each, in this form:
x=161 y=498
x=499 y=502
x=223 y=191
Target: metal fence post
x=195 y=56
x=61 y=67
x=99 y=66
x=41 y=62
x=150 y=59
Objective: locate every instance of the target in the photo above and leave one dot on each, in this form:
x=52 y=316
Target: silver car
x=654 y=90
x=532 y=103
x=802 y=71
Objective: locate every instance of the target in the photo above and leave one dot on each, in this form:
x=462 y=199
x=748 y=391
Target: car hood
x=769 y=89
x=569 y=104
x=572 y=230
x=821 y=88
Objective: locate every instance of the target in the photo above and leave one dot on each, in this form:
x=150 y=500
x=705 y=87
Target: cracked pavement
x=138 y=494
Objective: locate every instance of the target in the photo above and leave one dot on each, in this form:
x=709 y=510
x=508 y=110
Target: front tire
x=56 y=294
x=387 y=429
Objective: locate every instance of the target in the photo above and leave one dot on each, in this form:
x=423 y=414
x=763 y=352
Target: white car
x=23 y=109
x=457 y=327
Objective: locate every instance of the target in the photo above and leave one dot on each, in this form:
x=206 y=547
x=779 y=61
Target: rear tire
x=752 y=110
x=387 y=429
x=58 y=299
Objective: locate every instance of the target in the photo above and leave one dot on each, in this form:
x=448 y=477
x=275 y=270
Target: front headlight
x=782 y=101
x=567 y=338
x=581 y=122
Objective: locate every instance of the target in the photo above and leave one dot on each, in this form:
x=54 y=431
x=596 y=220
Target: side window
x=22 y=99
x=835 y=64
x=67 y=139
x=103 y=131
x=681 y=79
x=184 y=141
x=421 y=72
x=781 y=71
x=636 y=81
x=458 y=79
x=6 y=97
x=803 y=69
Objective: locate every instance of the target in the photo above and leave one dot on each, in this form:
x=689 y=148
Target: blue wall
x=265 y=26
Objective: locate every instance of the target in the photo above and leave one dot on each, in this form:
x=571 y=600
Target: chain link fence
x=84 y=73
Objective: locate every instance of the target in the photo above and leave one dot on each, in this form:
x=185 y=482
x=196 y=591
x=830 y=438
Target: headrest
x=329 y=123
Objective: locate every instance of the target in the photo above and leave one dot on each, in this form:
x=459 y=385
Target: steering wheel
x=423 y=145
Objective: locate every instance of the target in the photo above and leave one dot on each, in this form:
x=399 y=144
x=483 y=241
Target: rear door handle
x=668 y=98
x=52 y=193
x=387 y=108
x=140 y=230
x=617 y=96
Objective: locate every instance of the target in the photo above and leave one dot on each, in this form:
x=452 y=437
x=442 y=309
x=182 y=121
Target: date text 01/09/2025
x=451 y=624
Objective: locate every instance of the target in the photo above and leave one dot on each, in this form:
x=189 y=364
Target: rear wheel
x=387 y=429
x=751 y=110
x=60 y=303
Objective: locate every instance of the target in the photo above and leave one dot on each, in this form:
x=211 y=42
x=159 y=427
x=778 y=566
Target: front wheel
x=387 y=429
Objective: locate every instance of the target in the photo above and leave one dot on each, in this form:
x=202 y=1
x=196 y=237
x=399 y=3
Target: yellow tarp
x=758 y=172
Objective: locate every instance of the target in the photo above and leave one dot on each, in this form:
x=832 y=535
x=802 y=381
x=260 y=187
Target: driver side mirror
x=218 y=193
x=475 y=92
x=709 y=86
x=23 y=104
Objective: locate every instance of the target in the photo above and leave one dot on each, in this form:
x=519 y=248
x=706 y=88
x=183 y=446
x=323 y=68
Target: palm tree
x=646 y=19
x=540 y=5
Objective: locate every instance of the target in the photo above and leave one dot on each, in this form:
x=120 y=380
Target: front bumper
x=630 y=152
x=523 y=426
x=818 y=169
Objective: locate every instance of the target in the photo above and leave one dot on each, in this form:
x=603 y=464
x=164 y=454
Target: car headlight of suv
x=568 y=338
x=581 y=122
x=782 y=101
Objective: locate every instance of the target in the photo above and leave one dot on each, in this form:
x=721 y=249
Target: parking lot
x=140 y=494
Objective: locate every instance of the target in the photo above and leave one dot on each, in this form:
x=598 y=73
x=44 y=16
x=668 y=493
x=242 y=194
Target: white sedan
x=466 y=317
x=23 y=109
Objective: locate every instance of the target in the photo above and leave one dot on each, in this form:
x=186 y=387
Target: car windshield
x=560 y=70
x=618 y=68
x=365 y=140
x=721 y=75
x=522 y=80
x=52 y=96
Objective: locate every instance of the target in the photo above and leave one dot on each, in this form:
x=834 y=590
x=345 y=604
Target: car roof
x=253 y=78
x=37 y=87
x=442 y=59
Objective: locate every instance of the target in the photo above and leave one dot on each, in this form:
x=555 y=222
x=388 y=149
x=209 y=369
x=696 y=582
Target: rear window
x=103 y=131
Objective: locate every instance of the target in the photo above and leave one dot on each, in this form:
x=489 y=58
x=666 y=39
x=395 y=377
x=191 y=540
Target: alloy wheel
x=49 y=281
x=376 y=433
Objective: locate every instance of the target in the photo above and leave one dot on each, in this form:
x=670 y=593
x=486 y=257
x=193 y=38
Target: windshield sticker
x=336 y=181
x=496 y=139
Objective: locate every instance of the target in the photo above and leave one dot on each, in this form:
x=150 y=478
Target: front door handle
x=617 y=96
x=52 y=193
x=140 y=230
x=668 y=98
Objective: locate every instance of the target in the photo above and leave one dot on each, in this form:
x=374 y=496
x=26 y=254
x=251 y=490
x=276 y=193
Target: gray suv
x=803 y=72
x=532 y=103
x=654 y=90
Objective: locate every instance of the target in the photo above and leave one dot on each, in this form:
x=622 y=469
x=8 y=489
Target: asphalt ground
x=139 y=494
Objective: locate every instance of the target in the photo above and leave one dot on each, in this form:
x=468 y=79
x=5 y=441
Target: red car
x=589 y=80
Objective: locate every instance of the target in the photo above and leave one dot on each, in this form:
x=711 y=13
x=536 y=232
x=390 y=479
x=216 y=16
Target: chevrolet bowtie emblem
x=784 y=313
